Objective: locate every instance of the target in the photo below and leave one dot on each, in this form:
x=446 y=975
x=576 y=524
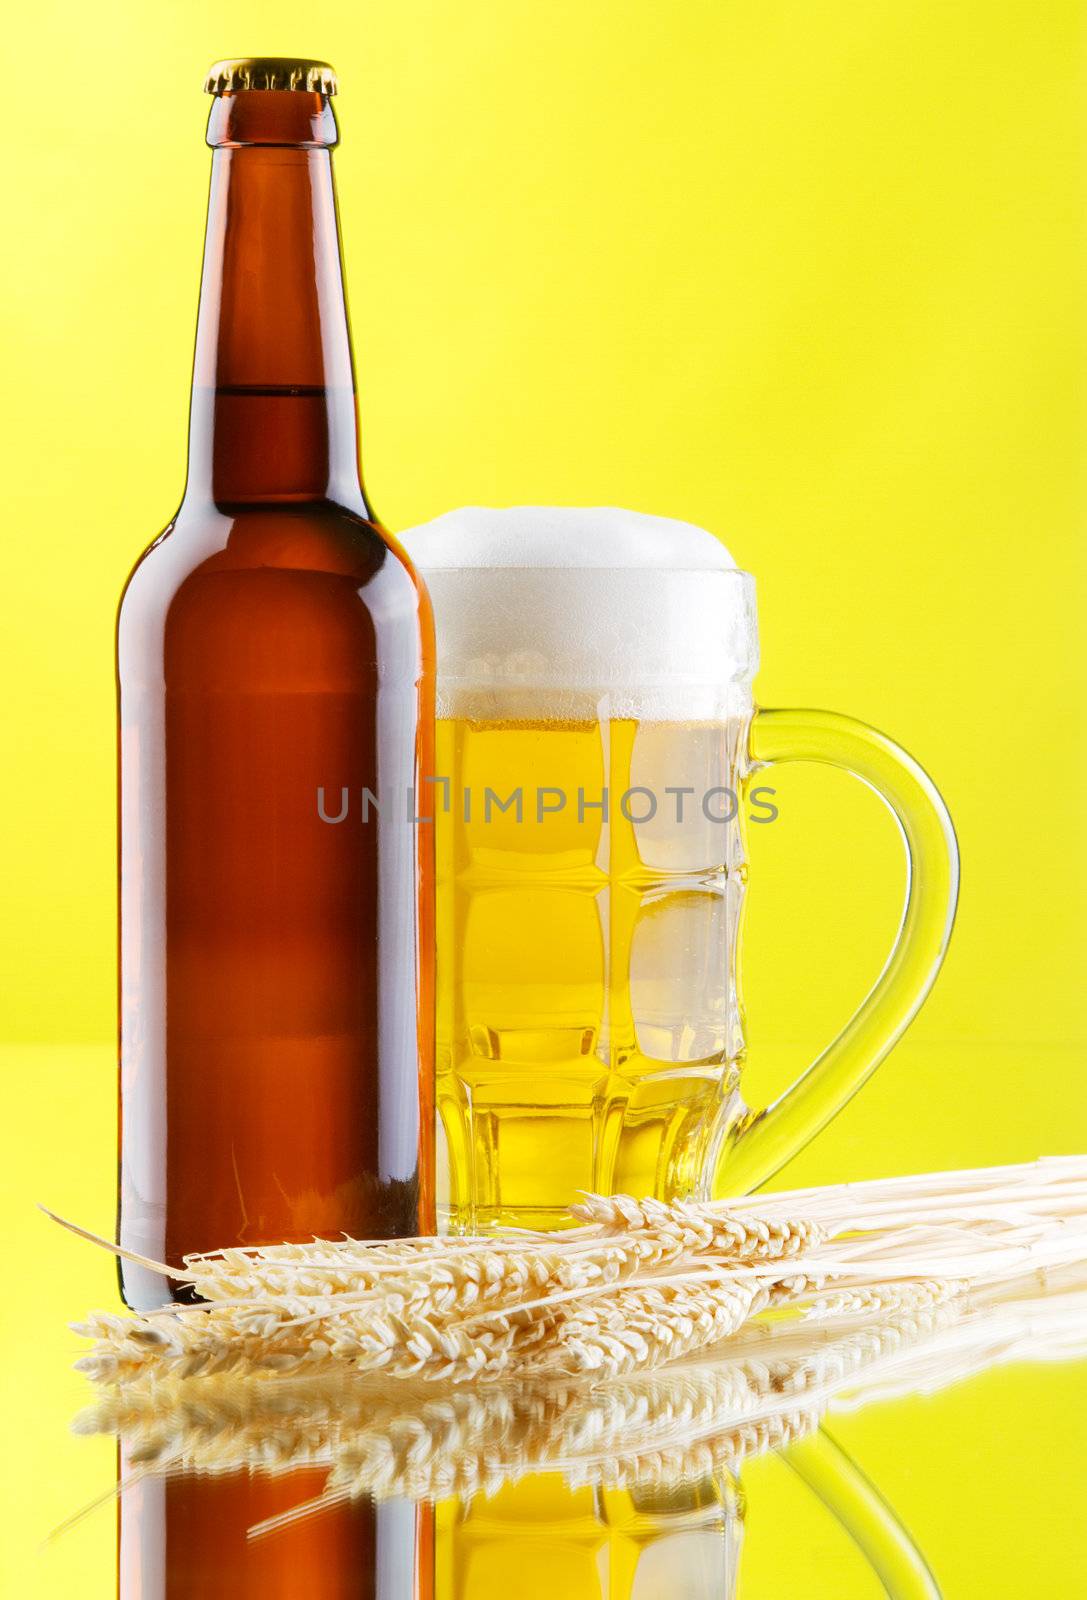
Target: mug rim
x=649 y=572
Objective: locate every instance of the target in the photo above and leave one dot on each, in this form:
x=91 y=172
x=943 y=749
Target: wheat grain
x=638 y=1283
x=433 y=1280
x=874 y=1299
x=219 y=1339
x=704 y=1228
x=641 y=1328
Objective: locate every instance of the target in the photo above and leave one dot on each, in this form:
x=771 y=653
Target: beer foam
x=548 y=610
x=563 y=536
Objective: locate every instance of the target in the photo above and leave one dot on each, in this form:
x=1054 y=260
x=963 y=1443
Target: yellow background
x=805 y=271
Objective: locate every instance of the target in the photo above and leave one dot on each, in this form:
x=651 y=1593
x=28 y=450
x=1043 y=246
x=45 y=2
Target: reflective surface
x=677 y=1516
x=984 y=1475
x=950 y=1469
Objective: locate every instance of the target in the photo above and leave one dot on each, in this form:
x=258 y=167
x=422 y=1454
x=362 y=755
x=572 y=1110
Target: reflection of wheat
x=637 y=1284
x=427 y=1444
x=759 y=1390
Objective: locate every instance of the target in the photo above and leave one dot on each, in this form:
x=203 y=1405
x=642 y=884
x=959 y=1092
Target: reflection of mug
x=540 y=1538
x=600 y=763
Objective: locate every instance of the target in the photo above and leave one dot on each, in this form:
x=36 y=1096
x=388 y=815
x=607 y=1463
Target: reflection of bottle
x=273 y=644
x=186 y=1538
x=539 y=1538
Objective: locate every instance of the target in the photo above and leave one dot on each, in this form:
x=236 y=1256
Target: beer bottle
x=275 y=675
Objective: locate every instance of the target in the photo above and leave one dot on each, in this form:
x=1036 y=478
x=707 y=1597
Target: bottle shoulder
x=248 y=548
x=305 y=587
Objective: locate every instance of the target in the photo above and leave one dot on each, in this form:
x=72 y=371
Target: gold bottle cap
x=270 y=72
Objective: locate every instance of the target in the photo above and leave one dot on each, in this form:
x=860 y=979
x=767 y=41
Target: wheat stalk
x=439 y=1278
x=637 y=1284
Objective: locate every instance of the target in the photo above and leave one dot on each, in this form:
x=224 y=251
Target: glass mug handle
x=762 y=1141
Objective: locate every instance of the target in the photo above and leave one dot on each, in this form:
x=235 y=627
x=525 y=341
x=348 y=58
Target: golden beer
x=588 y=901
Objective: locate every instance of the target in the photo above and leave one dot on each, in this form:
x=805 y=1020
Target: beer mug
x=599 y=758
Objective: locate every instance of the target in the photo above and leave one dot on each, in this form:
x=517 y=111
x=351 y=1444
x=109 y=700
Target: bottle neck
x=273 y=414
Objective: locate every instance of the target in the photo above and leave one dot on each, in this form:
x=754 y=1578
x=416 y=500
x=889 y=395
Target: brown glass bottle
x=275 y=668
